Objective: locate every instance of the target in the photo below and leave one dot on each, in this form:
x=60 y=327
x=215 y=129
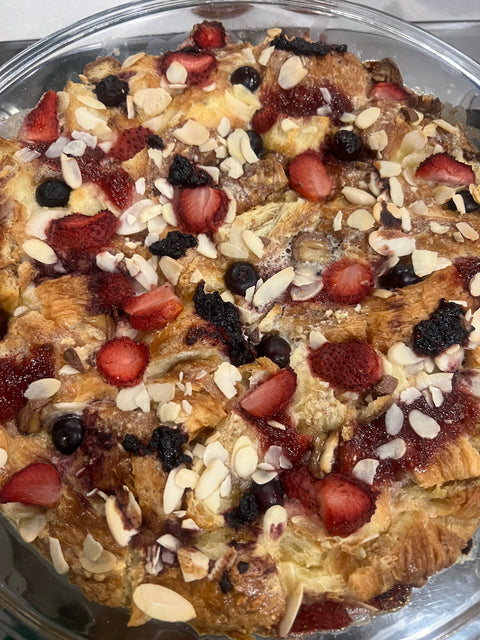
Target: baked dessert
x=239 y=358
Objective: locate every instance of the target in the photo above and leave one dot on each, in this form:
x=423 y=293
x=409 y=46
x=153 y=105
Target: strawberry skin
x=153 y=309
x=38 y=484
x=344 y=505
x=348 y=366
x=271 y=396
x=389 y=91
x=129 y=143
x=347 y=281
x=264 y=118
x=441 y=167
x=122 y=362
x=41 y=124
x=199 y=64
x=209 y=35
x=309 y=177
x=108 y=291
x=202 y=209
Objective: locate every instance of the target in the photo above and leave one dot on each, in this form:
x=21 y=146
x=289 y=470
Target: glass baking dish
x=38 y=603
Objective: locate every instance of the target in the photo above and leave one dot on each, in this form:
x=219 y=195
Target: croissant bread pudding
x=240 y=335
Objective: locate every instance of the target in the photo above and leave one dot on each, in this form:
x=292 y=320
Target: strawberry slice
x=349 y=366
x=122 y=361
x=209 y=35
x=389 y=91
x=309 y=177
x=41 y=124
x=300 y=485
x=347 y=281
x=344 y=504
x=108 y=291
x=271 y=396
x=202 y=209
x=153 y=309
x=129 y=143
x=39 y=484
x=264 y=118
x=441 y=167
x=199 y=64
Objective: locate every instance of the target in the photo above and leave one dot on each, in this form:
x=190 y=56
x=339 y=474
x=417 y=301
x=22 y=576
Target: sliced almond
x=40 y=251
x=264 y=57
x=105 y=563
x=211 y=479
x=394 y=449
x=424 y=262
x=423 y=425
x=160 y=603
x=176 y=73
x=275 y=522
x=365 y=470
x=56 y=554
x=192 y=133
x=366 y=118
x=378 y=140
x=387 y=242
x=245 y=462
x=213 y=451
x=394 y=420
x=253 y=242
x=206 y=247
x=388 y=169
x=193 y=563
x=172 y=494
x=291 y=72
x=43 y=388
x=274 y=287
x=474 y=285
x=233 y=251
x=153 y=101
x=359 y=196
x=170 y=268
x=123 y=519
x=225 y=377
x=90 y=101
x=467 y=231
x=294 y=601
x=71 y=171
x=361 y=219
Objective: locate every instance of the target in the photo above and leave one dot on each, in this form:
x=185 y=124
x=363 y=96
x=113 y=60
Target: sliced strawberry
x=347 y=281
x=344 y=504
x=41 y=124
x=129 y=143
x=389 y=91
x=309 y=177
x=122 y=361
x=264 y=118
x=199 y=64
x=209 y=35
x=153 y=309
x=349 y=366
x=108 y=291
x=271 y=396
x=202 y=209
x=441 y=167
x=39 y=484
x=301 y=486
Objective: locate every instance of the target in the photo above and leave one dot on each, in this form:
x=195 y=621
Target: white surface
x=31 y=19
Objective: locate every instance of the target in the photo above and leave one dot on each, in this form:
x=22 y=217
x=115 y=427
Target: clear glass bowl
x=35 y=602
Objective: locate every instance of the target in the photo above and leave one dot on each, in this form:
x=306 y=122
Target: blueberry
x=269 y=494
x=471 y=206
x=240 y=276
x=256 y=142
x=346 y=145
x=155 y=142
x=52 y=193
x=67 y=433
x=248 y=76
x=399 y=276
x=275 y=348
x=112 y=91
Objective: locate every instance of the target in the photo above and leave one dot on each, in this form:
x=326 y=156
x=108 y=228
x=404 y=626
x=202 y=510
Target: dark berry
x=471 y=205
x=240 y=276
x=248 y=76
x=134 y=445
x=275 y=348
x=52 y=193
x=112 y=91
x=246 y=513
x=256 y=142
x=445 y=327
x=242 y=567
x=167 y=444
x=174 y=245
x=346 y=145
x=399 y=276
x=225 y=584
x=67 y=433
x=184 y=173
x=305 y=47
x=4 y=317
x=268 y=494
x=155 y=142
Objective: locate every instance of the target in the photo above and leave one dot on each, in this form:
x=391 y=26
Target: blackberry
x=184 y=173
x=305 y=48
x=244 y=514
x=167 y=444
x=174 y=245
x=112 y=91
x=134 y=445
x=53 y=193
x=445 y=327
x=346 y=145
x=246 y=76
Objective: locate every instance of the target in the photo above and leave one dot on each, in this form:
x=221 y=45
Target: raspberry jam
x=316 y=616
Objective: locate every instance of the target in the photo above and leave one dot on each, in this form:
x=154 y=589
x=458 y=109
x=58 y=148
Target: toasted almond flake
x=75 y=148
x=164 y=187
x=359 y=196
x=394 y=420
x=294 y=601
x=197 y=276
x=443 y=193
x=206 y=247
x=105 y=563
x=169 y=412
x=173 y=493
x=160 y=603
x=92 y=121
x=211 y=479
x=337 y=221
x=459 y=202
x=450 y=359
x=225 y=378
x=424 y=262
x=234 y=144
x=131 y=398
x=214 y=451
x=475 y=192
x=388 y=169
x=394 y=449
x=56 y=554
x=275 y=522
x=153 y=101
x=446 y=126
x=123 y=521
x=231 y=250
x=306 y=292
x=457 y=236
x=168 y=213
x=435 y=227
x=436 y=395
x=467 y=231
x=190 y=524
x=71 y=171
x=133 y=59
x=194 y=564
x=361 y=219
x=378 y=140
x=423 y=425
x=90 y=101
x=382 y=293
x=367 y=117
x=396 y=191
x=288 y=125
x=245 y=462
x=253 y=242
x=170 y=542
x=365 y=470
x=291 y=72
x=387 y=242
x=262 y=476
x=247 y=151
x=170 y=268
x=43 y=388
x=39 y=250
x=316 y=339
x=264 y=57
x=192 y=133
x=233 y=167
x=224 y=127
x=274 y=287
x=130 y=107
x=3 y=457
x=26 y=155
x=474 y=286
x=176 y=73
x=29 y=525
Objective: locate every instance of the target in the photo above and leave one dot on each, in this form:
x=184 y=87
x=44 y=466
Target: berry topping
x=389 y=91
x=41 y=124
x=77 y=238
x=399 y=276
x=303 y=47
x=347 y=281
x=301 y=486
x=264 y=118
x=441 y=167
x=202 y=209
x=275 y=348
x=469 y=202
x=445 y=327
x=321 y=616
x=122 y=362
x=114 y=181
x=4 y=319
x=247 y=76
x=246 y=513
x=199 y=64
x=108 y=290
x=269 y=494
x=67 y=433
x=467 y=268
x=155 y=141
x=209 y=35
x=240 y=276
x=174 y=245
x=52 y=193
x=271 y=396
x=38 y=484
x=348 y=366
x=153 y=309
x=112 y=91
x=184 y=173
x=308 y=176
x=256 y=142
x=344 y=505
x=346 y=145
x=129 y=143
x=167 y=443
